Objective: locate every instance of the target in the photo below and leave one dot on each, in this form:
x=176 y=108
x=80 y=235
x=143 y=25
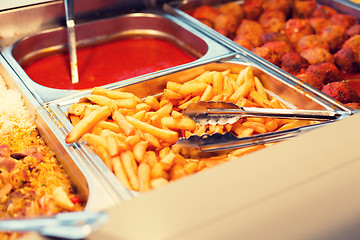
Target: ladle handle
x=70 y=23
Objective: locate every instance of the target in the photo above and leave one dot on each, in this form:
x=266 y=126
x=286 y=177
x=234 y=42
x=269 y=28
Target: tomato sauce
x=107 y=63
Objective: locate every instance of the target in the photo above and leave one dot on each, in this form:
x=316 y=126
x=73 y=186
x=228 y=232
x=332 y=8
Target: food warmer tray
x=91 y=186
x=154 y=23
x=179 y=8
x=289 y=93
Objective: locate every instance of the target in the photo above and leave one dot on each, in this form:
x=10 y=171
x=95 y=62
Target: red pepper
x=76 y=200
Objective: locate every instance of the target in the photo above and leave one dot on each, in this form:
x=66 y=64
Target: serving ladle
x=70 y=24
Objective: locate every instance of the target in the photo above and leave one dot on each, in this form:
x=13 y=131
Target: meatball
x=273 y=37
x=353 y=105
x=250 y=30
x=346 y=61
x=311 y=80
x=354 y=44
x=319 y=24
x=311 y=41
x=335 y=35
x=244 y=42
x=296 y=28
x=226 y=24
x=282 y=5
x=280 y=48
x=323 y=11
x=303 y=8
x=353 y=30
x=272 y=20
x=325 y=72
x=252 y=8
x=206 y=12
x=317 y=55
x=268 y=54
x=342 y=92
x=294 y=63
x=344 y=20
x=233 y=9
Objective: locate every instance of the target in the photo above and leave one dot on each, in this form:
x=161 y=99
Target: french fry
x=139 y=150
x=103 y=101
x=166 y=135
x=119 y=171
x=193 y=89
x=260 y=88
x=127 y=161
x=168 y=160
x=144 y=172
x=88 y=122
x=177 y=171
x=174 y=86
x=207 y=94
x=164 y=151
x=152 y=140
x=99 y=145
x=158 y=182
x=77 y=108
x=121 y=121
x=143 y=107
x=178 y=123
x=150 y=158
x=158 y=171
x=191 y=167
x=114 y=94
x=165 y=110
x=294 y=124
x=132 y=140
x=258 y=127
x=74 y=119
x=110 y=125
x=171 y=94
x=218 y=82
x=259 y=99
x=153 y=102
x=112 y=144
x=129 y=103
x=242 y=91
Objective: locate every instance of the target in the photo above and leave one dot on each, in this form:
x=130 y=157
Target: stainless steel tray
x=289 y=93
x=90 y=184
x=153 y=23
x=180 y=8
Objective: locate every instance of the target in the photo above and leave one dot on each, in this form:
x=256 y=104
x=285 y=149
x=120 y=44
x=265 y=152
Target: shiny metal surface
x=222 y=113
x=291 y=95
x=70 y=25
x=73 y=225
x=217 y=144
x=155 y=24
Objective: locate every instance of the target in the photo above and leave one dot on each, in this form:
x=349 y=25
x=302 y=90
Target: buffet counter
x=131 y=148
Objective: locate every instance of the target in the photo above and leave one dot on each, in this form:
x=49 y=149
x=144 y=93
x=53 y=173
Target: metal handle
x=70 y=23
x=279 y=113
x=74 y=225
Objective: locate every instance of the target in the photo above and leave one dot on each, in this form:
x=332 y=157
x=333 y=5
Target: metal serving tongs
x=70 y=23
x=72 y=225
x=217 y=144
x=224 y=112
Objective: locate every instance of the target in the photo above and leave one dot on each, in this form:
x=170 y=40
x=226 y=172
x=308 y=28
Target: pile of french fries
x=134 y=137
